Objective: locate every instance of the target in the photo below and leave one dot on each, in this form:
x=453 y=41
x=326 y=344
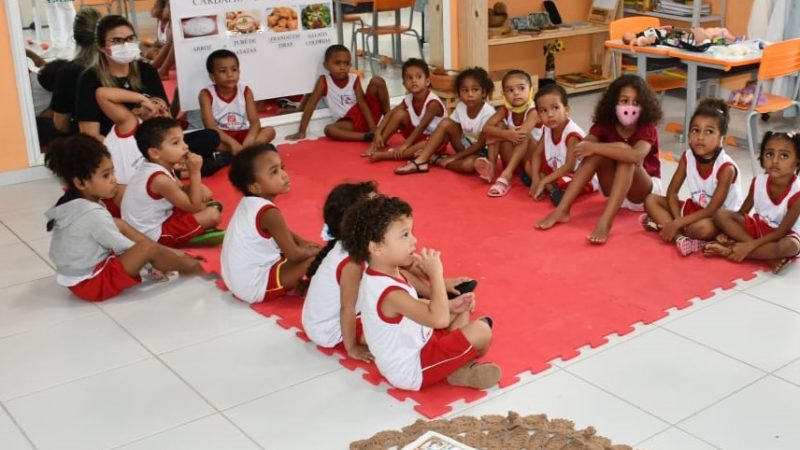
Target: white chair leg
x=371 y=59
x=354 y=46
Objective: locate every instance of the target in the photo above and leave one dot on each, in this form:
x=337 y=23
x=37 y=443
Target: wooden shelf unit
x=696 y=18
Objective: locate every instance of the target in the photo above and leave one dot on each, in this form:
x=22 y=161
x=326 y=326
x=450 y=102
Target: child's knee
x=479 y=334
x=266 y=135
x=376 y=83
x=703 y=229
x=209 y=217
x=722 y=215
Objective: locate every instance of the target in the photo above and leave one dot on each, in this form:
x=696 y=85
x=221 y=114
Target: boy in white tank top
x=415 y=342
x=155 y=201
x=261 y=257
x=415 y=118
x=772 y=233
x=228 y=106
x=355 y=112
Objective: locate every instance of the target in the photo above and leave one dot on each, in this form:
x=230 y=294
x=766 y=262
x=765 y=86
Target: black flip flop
x=463 y=288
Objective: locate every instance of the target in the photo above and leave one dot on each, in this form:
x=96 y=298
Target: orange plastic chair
x=396 y=31
x=779 y=60
x=617 y=28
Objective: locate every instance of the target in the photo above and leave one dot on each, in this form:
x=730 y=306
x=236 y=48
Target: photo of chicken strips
x=242 y=21
x=282 y=18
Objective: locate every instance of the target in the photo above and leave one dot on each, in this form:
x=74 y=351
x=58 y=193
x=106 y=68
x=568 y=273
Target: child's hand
x=378 y=142
x=515 y=136
x=431 y=262
x=537 y=190
x=740 y=250
x=669 y=230
x=583 y=149
x=194 y=162
x=463 y=303
x=149 y=108
x=296 y=137
x=360 y=352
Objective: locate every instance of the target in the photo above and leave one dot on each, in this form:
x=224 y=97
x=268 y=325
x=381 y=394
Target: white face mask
x=125 y=53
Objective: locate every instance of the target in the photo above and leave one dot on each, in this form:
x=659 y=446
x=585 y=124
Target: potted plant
x=550 y=50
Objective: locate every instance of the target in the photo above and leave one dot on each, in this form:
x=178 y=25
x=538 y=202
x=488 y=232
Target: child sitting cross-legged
x=415 y=342
x=155 y=201
x=96 y=256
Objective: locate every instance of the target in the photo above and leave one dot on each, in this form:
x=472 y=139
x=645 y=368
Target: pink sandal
x=500 y=188
x=484 y=168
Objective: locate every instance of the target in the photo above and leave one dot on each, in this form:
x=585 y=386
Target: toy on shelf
x=697 y=39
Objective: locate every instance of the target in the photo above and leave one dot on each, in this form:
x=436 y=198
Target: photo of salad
x=316 y=16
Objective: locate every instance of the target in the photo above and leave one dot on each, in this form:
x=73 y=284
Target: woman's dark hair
x=605 y=113
x=219 y=54
x=84 y=31
x=105 y=25
x=367 y=222
x=416 y=62
x=552 y=89
x=793 y=137
x=339 y=200
x=47 y=74
x=73 y=157
x=241 y=174
x=517 y=73
x=480 y=76
x=152 y=132
x=714 y=108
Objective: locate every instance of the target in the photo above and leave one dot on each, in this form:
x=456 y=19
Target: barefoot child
x=96 y=256
x=261 y=257
x=228 y=107
x=329 y=310
x=773 y=232
x=415 y=342
x=155 y=201
x=510 y=132
x=416 y=117
x=622 y=149
x=552 y=164
x=463 y=129
x=712 y=178
x=355 y=113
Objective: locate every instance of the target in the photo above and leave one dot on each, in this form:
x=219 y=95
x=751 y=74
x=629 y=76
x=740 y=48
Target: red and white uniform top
x=340 y=99
x=555 y=153
x=702 y=189
x=321 y=318
x=125 y=154
x=142 y=208
x=769 y=211
x=248 y=252
x=229 y=113
x=472 y=126
x=395 y=342
x=416 y=116
x=536 y=132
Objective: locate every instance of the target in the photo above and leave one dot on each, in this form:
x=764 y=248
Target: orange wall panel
x=14 y=154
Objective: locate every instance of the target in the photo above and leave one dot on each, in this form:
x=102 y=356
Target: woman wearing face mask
x=118 y=65
x=622 y=149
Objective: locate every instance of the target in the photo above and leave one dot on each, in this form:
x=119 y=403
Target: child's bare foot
x=476 y=375
x=555 y=217
x=715 y=248
x=381 y=155
x=723 y=239
x=600 y=234
x=368 y=152
x=777 y=265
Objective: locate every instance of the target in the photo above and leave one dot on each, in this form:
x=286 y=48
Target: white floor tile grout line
x=675 y=427
x=16 y=424
x=712 y=404
x=48 y=324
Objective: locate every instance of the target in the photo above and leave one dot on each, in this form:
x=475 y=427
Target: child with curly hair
x=622 y=149
x=415 y=342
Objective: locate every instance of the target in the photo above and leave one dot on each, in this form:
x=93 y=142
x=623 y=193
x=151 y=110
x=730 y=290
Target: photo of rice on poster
x=199 y=26
x=242 y=22
x=281 y=19
x=316 y=16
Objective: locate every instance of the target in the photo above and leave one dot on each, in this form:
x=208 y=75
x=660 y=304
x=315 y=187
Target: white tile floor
x=176 y=365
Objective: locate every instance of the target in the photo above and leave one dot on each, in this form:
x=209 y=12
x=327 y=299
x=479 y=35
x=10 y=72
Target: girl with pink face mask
x=622 y=149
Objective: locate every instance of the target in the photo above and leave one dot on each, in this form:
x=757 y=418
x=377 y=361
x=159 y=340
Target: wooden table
x=337 y=4
x=640 y=53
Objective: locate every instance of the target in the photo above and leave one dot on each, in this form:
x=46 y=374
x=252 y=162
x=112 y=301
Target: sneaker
x=476 y=375
x=648 y=223
x=687 y=246
x=209 y=238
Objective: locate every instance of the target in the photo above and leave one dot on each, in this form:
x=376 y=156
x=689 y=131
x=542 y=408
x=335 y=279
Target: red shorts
x=179 y=229
x=757 y=228
x=444 y=353
x=239 y=135
x=109 y=280
x=688 y=206
x=358 y=119
x=564 y=182
x=407 y=130
x=112 y=207
x=275 y=288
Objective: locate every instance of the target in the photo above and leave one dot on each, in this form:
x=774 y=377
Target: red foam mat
x=550 y=293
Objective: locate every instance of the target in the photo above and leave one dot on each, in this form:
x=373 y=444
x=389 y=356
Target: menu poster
x=280 y=44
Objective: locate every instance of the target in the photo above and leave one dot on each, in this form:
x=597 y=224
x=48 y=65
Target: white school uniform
x=555 y=153
x=340 y=100
x=536 y=132
x=416 y=117
x=321 y=317
x=471 y=126
x=125 y=154
x=141 y=207
x=396 y=343
x=770 y=212
x=248 y=252
x=701 y=189
x=229 y=113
